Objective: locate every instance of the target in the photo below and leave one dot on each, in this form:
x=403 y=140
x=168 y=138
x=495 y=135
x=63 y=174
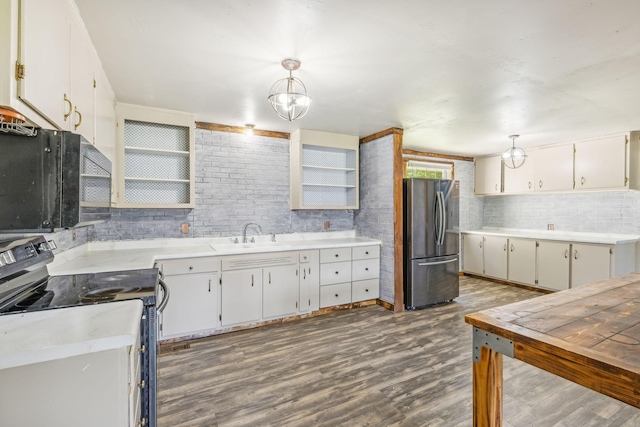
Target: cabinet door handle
x=304 y=273
x=575 y=254
x=566 y=253
x=505 y=247
x=270 y=277
x=540 y=184
x=529 y=184
x=209 y=285
x=480 y=244
x=252 y=280
x=142 y=384
x=79 y=122
x=582 y=181
x=66 y=115
x=512 y=247
x=496 y=187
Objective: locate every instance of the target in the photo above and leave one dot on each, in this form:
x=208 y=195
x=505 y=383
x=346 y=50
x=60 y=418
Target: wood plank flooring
x=367 y=367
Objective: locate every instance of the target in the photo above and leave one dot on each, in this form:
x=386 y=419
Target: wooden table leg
x=487 y=389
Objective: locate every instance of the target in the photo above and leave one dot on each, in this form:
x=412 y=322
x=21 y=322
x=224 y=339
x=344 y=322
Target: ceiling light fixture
x=249 y=129
x=513 y=157
x=288 y=96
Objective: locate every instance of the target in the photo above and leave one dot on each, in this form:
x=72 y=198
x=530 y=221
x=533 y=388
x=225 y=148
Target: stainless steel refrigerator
x=431 y=241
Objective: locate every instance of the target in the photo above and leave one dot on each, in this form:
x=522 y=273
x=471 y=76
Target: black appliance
x=431 y=241
x=25 y=286
x=52 y=180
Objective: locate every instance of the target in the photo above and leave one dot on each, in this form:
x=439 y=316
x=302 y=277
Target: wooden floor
x=367 y=367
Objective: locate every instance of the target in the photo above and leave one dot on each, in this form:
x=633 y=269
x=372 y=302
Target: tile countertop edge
x=129 y=255
x=567 y=236
x=37 y=337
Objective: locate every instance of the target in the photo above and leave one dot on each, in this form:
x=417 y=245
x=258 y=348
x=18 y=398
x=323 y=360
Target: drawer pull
x=366 y=253
x=191 y=267
x=336 y=272
x=366 y=269
x=142 y=384
x=336 y=295
x=337 y=255
x=366 y=290
x=304 y=257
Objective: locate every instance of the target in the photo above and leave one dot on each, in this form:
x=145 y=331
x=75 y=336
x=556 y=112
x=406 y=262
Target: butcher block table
x=589 y=335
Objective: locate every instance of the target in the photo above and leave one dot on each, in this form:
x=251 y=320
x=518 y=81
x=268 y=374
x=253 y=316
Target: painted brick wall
x=604 y=212
x=375 y=217
x=239 y=179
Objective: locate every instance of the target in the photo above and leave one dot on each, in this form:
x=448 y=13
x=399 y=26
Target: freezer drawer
x=431 y=281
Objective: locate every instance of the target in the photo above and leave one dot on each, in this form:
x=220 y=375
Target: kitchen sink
x=226 y=247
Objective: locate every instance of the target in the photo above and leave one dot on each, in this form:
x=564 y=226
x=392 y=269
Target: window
x=428 y=169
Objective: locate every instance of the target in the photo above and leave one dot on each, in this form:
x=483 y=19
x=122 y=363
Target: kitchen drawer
x=335 y=294
x=337 y=272
x=307 y=256
x=335 y=255
x=365 y=290
x=365 y=269
x=187 y=265
x=365 y=252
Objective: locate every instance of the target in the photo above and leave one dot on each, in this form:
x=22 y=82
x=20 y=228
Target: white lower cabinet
x=473 y=253
x=280 y=291
x=309 y=281
x=495 y=265
x=589 y=263
x=522 y=261
x=241 y=296
x=553 y=265
x=548 y=264
x=193 y=296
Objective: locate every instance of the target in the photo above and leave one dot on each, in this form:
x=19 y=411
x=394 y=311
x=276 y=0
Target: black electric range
x=26 y=286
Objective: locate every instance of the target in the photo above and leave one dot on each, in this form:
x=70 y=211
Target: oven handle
x=165 y=295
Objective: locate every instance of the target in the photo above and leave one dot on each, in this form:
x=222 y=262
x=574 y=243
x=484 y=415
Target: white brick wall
x=239 y=179
x=375 y=216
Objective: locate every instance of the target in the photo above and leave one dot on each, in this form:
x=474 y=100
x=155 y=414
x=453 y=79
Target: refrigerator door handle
x=436 y=220
x=437 y=262
x=443 y=218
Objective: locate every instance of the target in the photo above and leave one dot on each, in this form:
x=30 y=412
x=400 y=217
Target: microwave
x=51 y=181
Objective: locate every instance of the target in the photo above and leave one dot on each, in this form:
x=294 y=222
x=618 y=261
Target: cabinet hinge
x=296 y=304
x=536 y=281
x=94 y=83
x=20 y=70
x=220 y=317
x=309 y=303
x=610 y=251
x=221 y=280
x=537 y=245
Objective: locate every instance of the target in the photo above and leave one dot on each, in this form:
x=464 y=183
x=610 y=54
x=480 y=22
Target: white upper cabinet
x=53 y=69
x=105 y=117
x=522 y=179
x=324 y=170
x=488 y=175
x=45 y=57
x=601 y=163
x=554 y=168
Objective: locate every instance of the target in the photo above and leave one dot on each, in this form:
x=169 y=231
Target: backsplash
x=239 y=179
x=603 y=212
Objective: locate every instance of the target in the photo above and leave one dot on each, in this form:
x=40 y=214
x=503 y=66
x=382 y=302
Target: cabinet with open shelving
x=156 y=157
x=324 y=170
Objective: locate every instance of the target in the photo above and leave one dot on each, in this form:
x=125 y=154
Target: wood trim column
x=487 y=389
x=398 y=175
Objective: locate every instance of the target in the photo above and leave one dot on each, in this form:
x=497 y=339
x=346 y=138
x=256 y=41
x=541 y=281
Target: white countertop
x=565 y=236
x=95 y=257
x=41 y=336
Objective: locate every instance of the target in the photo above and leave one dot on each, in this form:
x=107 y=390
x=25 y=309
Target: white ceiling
x=457 y=75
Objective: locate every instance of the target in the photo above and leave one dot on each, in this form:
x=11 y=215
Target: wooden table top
x=595 y=325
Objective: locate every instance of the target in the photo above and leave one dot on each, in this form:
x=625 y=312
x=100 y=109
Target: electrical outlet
x=327 y=224
x=184 y=228
x=550 y=227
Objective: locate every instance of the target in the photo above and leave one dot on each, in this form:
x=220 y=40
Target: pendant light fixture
x=513 y=157
x=288 y=96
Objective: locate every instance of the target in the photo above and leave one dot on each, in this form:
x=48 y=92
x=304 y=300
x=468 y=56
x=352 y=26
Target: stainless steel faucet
x=244 y=230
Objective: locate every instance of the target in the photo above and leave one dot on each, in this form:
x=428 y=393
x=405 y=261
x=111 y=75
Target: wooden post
x=487 y=389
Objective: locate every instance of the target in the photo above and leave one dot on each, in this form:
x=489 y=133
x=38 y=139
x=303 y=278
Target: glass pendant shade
x=514 y=157
x=288 y=96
